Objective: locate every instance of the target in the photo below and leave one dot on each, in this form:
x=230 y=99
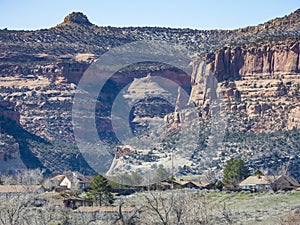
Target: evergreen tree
x=101 y=190
x=258 y=173
x=234 y=172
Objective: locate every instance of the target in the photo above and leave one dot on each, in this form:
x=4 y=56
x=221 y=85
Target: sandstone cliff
x=259 y=81
x=267 y=60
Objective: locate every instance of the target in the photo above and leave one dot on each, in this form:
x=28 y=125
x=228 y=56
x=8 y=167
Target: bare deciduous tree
x=25 y=177
x=13 y=209
x=19 y=209
x=210 y=176
x=127 y=218
x=178 y=208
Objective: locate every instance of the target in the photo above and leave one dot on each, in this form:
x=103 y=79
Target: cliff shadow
x=23 y=137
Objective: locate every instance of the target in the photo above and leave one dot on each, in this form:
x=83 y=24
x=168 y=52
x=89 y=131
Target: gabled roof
x=288 y=180
x=253 y=180
x=19 y=188
x=58 y=178
x=165 y=184
x=200 y=184
x=180 y=182
x=85 y=179
x=264 y=180
x=81 y=178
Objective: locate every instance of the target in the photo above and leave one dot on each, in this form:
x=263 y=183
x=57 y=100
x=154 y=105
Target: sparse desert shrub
x=291 y=219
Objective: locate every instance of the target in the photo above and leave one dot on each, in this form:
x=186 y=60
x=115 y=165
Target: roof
x=195 y=183
x=253 y=180
x=180 y=182
x=19 y=188
x=81 y=178
x=104 y=209
x=58 y=178
x=165 y=184
x=288 y=180
x=85 y=179
x=200 y=184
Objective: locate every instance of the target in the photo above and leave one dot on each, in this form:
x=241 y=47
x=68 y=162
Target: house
x=83 y=182
x=265 y=183
x=61 y=182
x=157 y=186
x=178 y=184
x=200 y=185
x=75 y=203
x=256 y=184
x=71 y=180
x=165 y=186
x=285 y=183
x=190 y=184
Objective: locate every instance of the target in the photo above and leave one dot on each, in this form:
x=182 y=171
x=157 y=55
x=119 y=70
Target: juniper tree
x=101 y=190
x=235 y=171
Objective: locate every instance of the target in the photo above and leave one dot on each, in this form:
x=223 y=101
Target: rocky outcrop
x=253 y=81
x=237 y=62
x=77 y=18
x=121 y=151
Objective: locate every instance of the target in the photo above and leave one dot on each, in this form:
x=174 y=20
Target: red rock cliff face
x=233 y=63
x=262 y=83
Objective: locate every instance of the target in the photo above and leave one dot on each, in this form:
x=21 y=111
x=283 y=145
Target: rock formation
x=261 y=81
x=254 y=71
x=77 y=18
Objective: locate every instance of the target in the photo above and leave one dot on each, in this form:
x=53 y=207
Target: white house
x=265 y=183
x=62 y=181
x=256 y=183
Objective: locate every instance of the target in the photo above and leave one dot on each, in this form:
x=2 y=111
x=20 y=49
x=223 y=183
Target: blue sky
x=210 y=14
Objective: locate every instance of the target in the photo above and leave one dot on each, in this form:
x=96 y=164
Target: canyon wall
x=260 y=82
x=267 y=60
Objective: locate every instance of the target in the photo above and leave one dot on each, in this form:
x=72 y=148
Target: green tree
x=235 y=171
x=258 y=173
x=101 y=190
